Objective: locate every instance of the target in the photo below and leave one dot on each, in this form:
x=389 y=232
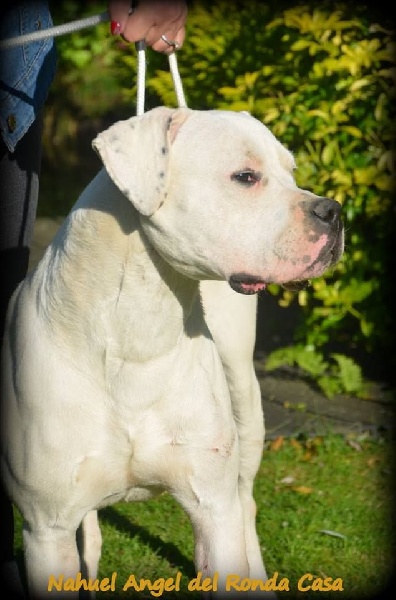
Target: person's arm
x=148 y=21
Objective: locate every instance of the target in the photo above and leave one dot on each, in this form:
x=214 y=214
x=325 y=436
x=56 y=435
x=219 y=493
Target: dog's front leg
x=89 y=540
x=52 y=562
x=220 y=542
x=231 y=318
x=247 y=406
x=210 y=496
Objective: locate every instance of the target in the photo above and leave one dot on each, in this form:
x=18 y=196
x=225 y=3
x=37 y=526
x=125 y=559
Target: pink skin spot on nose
x=322 y=241
x=296 y=259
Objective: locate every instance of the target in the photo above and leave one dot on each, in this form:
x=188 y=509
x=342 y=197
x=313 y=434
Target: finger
x=163 y=47
x=136 y=28
x=119 y=11
x=152 y=19
x=169 y=27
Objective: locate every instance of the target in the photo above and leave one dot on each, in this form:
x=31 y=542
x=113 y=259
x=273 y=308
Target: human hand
x=159 y=23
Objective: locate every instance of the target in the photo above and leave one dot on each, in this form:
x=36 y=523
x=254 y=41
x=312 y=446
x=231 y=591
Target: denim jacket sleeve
x=26 y=71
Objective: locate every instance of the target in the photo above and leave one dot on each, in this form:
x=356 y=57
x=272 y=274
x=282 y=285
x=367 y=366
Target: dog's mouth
x=245 y=284
x=296 y=286
x=248 y=285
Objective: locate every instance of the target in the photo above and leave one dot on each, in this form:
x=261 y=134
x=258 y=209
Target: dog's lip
x=246 y=284
x=296 y=286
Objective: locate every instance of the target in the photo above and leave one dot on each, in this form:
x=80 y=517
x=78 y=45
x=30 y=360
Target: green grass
x=340 y=485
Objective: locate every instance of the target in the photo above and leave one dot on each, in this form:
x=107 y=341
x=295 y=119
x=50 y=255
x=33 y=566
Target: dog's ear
x=135 y=153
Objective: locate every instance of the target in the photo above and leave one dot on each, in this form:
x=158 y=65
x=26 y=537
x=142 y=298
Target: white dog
x=128 y=359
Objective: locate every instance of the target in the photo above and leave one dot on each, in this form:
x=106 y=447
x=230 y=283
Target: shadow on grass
x=167 y=550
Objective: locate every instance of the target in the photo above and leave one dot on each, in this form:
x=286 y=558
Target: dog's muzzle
x=324 y=217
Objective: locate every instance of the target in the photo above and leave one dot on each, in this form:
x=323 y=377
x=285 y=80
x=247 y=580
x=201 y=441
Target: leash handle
x=141 y=78
x=177 y=82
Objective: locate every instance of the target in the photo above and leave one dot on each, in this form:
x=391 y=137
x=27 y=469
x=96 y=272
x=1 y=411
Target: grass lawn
x=324 y=507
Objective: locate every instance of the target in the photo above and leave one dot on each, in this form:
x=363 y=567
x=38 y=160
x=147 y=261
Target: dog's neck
x=112 y=287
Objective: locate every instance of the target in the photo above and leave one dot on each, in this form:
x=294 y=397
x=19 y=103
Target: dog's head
x=218 y=200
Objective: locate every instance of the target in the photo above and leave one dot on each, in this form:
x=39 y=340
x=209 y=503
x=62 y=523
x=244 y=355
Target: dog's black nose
x=327 y=210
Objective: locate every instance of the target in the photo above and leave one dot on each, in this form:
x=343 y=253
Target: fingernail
x=115 y=27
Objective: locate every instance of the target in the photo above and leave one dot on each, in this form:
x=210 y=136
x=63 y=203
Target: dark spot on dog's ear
x=169 y=123
x=132 y=125
x=164 y=150
x=161 y=174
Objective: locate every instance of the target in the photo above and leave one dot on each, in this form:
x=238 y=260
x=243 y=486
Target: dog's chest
x=163 y=416
x=170 y=383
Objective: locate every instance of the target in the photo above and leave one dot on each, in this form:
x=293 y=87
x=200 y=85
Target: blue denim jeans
x=26 y=71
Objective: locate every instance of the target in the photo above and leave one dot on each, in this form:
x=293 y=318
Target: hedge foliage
x=322 y=78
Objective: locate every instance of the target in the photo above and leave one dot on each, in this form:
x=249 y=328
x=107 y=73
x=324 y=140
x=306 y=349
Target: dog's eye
x=246 y=177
